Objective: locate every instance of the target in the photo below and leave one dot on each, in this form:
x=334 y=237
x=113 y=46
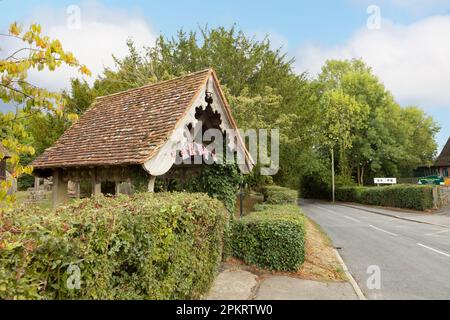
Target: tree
x=340 y=118
x=35 y=52
x=263 y=90
x=386 y=143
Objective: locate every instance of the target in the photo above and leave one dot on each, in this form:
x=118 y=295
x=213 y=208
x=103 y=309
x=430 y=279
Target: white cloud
x=415 y=7
x=103 y=31
x=412 y=60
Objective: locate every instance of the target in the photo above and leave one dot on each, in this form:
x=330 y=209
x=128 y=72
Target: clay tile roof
x=444 y=158
x=126 y=127
x=4 y=151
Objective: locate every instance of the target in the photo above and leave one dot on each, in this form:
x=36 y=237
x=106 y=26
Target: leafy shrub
x=150 y=246
x=349 y=194
x=400 y=196
x=218 y=181
x=273 y=238
x=25 y=182
x=279 y=195
x=315 y=186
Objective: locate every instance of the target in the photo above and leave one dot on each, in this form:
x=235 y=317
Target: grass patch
x=321 y=262
x=22 y=198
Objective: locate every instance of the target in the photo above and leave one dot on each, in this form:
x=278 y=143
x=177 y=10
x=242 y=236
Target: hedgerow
x=279 y=195
x=349 y=194
x=150 y=246
x=400 y=196
x=272 y=238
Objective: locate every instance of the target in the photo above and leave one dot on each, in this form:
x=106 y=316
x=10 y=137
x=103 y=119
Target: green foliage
x=399 y=196
x=218 y=181
x=279 y=195
x=261 y=86
x=139 y=179
x=34 y=52
x=150 y=246
x=385 y=139
x=346 y=107
x=316 y=182
x=273 y=238
x=25 y=182
x=349 y=194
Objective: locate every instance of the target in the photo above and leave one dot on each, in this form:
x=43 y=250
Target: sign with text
x=385 y=180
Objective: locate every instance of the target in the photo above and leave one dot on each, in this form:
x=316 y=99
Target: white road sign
x=385 y=180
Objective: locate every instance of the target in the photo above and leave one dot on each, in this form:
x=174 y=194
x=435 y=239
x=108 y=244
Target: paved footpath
x=238 y=284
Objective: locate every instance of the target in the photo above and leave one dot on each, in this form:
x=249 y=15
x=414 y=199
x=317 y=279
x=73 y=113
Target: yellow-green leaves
x=340 y=116
x=15 y=29
x=33 y=52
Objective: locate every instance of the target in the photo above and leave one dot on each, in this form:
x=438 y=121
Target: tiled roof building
x=443 y=161
x=133 y=130
x=444 y=158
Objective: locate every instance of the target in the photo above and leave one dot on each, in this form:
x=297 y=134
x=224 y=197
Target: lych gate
x=140 y=134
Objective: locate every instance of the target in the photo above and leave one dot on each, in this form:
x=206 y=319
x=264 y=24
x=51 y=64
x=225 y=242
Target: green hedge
x=399 y=196
x=279 y=195
x=273 y=238
x=150 y=246
x=349 y=194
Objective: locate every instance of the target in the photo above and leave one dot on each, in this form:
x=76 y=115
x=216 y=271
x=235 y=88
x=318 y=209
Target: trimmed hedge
x=400 y=196
x=273 y=238
x=150 y=246
x=279 y=195
x=349 y=194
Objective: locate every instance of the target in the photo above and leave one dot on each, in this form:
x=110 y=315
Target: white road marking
x=350 y=218
x=337 y=214
x=434 y=250
x=379 y=229
x=439 y=232
x=325 y=209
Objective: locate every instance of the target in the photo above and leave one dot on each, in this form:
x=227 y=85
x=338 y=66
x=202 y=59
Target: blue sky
x=409 y=52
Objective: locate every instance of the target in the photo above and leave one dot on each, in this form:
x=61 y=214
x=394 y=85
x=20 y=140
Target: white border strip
x=434 y=250
x=379 y=229
x=354 y=284
x=352 y=219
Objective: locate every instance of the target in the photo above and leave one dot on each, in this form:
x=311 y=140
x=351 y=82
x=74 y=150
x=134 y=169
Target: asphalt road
x=413 y=259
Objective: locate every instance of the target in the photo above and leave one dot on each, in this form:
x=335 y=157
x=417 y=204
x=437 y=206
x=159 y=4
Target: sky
x=406 y=42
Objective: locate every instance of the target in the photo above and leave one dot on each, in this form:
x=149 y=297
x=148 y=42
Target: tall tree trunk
x=332 y=175
x=362 y=176
x=358 y=174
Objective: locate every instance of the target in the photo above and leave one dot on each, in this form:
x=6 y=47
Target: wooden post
x=37 y=181
x=59 y=189
x=117 y=188
x=151 y=184
x=77 y=189
x=96 y=185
